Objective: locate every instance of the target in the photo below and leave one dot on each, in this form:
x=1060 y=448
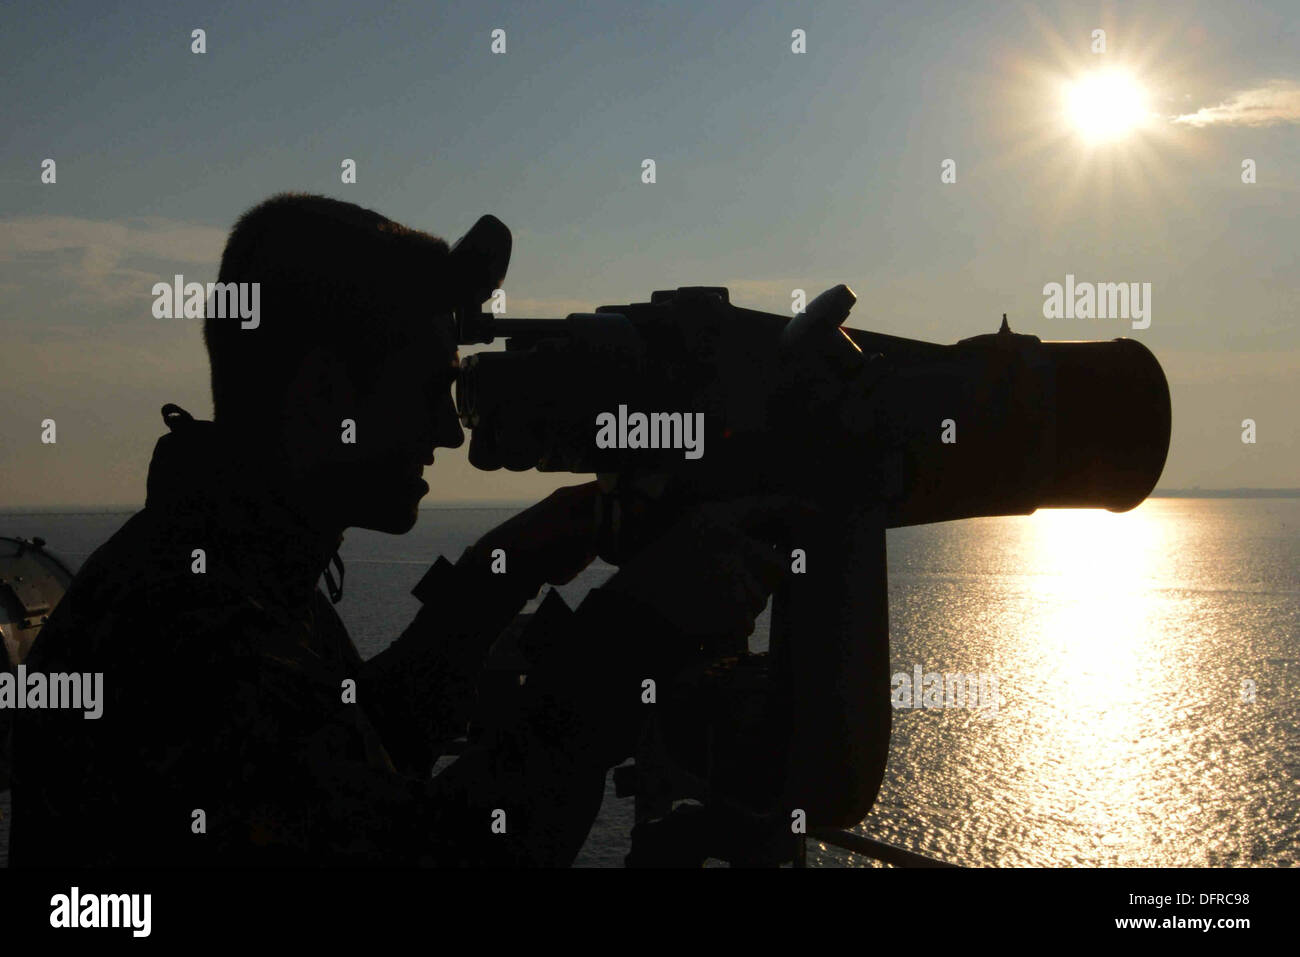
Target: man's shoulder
x=146 y=589
x=154 y=560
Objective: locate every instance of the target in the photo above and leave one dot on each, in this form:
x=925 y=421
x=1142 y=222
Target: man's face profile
x=398 y=422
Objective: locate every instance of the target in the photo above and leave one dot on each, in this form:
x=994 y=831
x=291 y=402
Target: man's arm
x=306 y=779
x=420 y=690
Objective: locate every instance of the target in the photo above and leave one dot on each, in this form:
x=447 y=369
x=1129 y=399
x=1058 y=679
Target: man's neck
x=293 y=500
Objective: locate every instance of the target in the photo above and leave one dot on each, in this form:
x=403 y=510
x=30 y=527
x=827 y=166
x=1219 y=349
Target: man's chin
x=398 y=513
x=394 y=522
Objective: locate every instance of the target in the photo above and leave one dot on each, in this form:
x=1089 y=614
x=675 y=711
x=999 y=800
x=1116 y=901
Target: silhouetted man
x=240 y=725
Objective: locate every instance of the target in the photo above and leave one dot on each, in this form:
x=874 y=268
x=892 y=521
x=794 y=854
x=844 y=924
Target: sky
x=775 y=170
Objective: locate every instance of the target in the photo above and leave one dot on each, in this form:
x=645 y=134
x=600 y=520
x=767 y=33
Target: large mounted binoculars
x=997 y=424
x=688 y=398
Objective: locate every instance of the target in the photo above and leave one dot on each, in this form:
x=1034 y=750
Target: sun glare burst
x=1106 y=105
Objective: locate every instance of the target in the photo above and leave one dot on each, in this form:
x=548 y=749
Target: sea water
x=1146 y=667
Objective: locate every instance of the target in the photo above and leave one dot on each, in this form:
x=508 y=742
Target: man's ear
x=321 y=385
x=319 y=397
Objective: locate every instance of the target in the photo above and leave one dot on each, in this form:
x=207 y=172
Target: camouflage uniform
x=224 y=692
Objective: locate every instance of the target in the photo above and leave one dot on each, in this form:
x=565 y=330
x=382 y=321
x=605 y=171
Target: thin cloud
x=1269 y=105
x=98 y=260
x=160 y=238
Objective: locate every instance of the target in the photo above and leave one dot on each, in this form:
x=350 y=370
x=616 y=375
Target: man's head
x=343 y=384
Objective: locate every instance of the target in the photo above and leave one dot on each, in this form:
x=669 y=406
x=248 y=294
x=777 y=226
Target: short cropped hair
x=331 y=274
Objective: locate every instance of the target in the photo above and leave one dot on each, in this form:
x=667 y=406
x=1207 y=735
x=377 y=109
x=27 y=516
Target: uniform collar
x=231 y=495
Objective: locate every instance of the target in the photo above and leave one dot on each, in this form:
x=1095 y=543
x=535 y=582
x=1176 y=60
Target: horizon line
x=470 y=504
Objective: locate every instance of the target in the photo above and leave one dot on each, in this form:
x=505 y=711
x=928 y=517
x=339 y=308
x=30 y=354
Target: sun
x=1106 y=105
x=1092 y=131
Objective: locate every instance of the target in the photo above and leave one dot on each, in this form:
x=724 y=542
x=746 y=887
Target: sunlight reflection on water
x=1122 y=645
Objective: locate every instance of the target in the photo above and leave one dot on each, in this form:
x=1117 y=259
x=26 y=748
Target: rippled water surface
x=1146 y=667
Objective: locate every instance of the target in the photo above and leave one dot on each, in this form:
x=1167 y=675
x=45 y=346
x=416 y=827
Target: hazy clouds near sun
x=1274 y=103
